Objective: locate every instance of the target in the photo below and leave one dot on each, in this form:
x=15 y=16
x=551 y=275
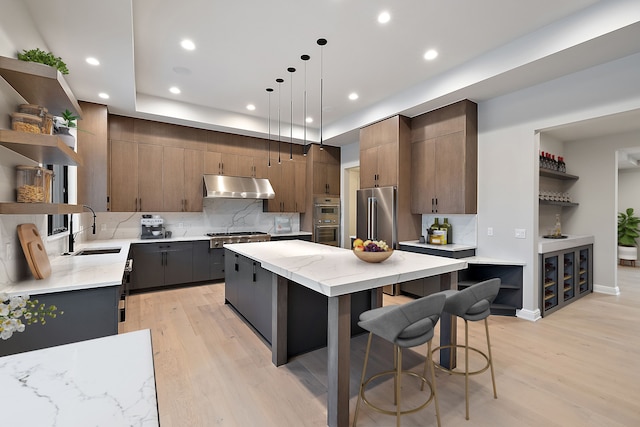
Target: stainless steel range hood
x=237 y=187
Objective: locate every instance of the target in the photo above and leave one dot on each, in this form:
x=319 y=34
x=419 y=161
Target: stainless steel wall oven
x=326 y=220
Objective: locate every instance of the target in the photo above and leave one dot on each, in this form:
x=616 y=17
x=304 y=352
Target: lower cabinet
x=156 y=265
x=161 y=264
x=248 y=288
x=305 y=237
x=88 y=314
x=565 y=276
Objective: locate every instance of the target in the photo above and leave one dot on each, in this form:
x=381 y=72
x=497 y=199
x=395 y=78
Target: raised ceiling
x=485 y=49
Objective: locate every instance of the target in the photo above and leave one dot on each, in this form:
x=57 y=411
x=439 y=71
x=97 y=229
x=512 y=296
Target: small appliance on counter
x=152 y=227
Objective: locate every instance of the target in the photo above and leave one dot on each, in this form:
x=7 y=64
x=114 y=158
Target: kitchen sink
x=97 y=251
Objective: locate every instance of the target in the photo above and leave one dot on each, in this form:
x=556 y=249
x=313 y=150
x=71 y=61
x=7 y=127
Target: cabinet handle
x=254 y=272
x=140 y=204
x=436 y=205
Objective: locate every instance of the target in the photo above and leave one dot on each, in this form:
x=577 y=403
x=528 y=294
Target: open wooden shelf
x=39 y=84
x=38 y=208
x=550 y=202
x=45 y=149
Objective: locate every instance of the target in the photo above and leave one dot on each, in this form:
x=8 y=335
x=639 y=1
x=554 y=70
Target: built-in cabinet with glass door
x=565 y=276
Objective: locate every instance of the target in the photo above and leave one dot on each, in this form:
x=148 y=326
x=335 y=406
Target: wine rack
x=565 y=276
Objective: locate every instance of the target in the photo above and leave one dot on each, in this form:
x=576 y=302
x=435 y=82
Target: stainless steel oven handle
x=327 y=226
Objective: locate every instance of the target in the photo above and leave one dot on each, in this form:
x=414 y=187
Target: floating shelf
x=549 y=202
x=45 y=149
x=39 y=84
x=558 y=175
x=38 y=208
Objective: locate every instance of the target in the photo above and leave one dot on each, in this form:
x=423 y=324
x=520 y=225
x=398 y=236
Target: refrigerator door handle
x=372 y=219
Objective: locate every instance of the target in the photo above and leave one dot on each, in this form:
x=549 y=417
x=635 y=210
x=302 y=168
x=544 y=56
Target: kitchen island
x=102 y=382
x=337 y=274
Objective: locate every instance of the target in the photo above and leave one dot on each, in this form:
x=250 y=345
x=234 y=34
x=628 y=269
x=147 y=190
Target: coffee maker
x=152 y=227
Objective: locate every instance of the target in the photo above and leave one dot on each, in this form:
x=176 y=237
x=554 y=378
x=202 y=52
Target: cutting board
x=34 y=250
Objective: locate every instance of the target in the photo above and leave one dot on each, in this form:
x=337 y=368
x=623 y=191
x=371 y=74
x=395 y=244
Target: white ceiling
x=486 y=48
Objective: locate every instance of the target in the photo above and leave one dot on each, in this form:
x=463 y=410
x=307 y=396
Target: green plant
x=628 y=230
x=42 y=57
x=69 y=119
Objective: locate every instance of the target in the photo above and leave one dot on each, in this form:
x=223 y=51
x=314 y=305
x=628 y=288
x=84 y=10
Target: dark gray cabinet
x=161 y=264
x=208 y=263
x=305 y=237
x=248 y=288
x=88 y=314
x=565 y=276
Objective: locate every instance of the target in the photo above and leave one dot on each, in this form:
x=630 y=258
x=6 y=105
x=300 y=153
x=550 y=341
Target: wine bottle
x=448 y=228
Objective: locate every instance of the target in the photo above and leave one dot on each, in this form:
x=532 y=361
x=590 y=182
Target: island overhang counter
x=337 y=274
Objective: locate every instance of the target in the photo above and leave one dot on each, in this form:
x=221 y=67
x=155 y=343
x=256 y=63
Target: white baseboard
x=609 y=290
x=530 y=315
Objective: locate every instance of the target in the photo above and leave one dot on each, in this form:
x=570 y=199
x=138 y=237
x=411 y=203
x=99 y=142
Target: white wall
x=508 y=147
x=629 y=188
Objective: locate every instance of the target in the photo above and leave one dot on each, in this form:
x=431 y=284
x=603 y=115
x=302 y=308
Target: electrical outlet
x=490 y=231
x=521 y=233
x=103 y=227
x=9 y=251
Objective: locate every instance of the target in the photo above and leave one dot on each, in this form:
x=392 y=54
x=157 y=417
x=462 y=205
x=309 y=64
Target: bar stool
x=471 y=304
x=407 y=325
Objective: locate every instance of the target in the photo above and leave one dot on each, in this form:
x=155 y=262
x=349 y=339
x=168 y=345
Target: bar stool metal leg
x=493 y=378
x=364 y=371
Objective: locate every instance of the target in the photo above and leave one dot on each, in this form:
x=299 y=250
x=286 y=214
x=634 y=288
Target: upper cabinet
x=42 y=85
x=444 y=158
x=381 y=147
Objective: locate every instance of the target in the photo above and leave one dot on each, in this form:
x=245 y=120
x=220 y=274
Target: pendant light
x=305 y=58
x=279 y=81
x=291 y=70
x=321 y=43
x=269 y=90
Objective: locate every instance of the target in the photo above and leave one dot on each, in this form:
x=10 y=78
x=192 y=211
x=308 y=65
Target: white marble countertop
x=69 y=273
x=453 y=247
x=491 y=261
x=106 y=382
x=572 y=241
x=335 y=271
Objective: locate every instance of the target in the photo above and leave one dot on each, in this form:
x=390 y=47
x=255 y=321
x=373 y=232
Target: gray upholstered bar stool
x=471 y=304
x=407 y=325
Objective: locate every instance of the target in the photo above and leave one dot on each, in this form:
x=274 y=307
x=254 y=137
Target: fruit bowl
x=373 y=256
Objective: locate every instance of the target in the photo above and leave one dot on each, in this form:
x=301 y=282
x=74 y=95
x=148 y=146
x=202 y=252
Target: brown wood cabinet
x=385 y=160
x=325 y=167
x=444 y=160
x=92 y=136
x=380 y=145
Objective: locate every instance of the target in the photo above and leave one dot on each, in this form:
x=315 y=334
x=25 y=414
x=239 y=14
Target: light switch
x=521 y=233
x=490 y=231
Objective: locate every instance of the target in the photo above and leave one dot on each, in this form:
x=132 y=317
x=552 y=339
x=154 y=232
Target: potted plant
x=66 y=121
x=42 y=57
x=628 y=232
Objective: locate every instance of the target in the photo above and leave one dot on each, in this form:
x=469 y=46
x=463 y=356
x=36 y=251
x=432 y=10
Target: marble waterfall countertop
x=452 y=247
x=572 y=241
x=106 y=382
x=335 y=271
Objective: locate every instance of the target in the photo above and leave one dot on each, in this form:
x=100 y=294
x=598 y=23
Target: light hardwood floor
x=579 y=366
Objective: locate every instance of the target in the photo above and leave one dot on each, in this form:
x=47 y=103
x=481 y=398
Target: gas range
x=219 y=239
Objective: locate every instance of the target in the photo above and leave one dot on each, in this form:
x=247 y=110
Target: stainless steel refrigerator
x=377 y=218
x=377 y=214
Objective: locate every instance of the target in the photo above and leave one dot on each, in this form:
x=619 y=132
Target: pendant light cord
x=291 y=70
x=305 y=58
x=269 y=90
x=321 y=43
x=279 y=81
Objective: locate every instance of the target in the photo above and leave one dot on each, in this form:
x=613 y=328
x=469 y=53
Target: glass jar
x=33 y=184
x=26 y=123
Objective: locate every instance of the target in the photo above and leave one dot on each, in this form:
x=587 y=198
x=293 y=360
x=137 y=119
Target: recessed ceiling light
x=384 y=17
x=251 y=107
x=309 y=120
x=174 y=90
x=187 y=44
x=353 y=96
x=93 y=61
x=103 y=95
x=430 y=54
